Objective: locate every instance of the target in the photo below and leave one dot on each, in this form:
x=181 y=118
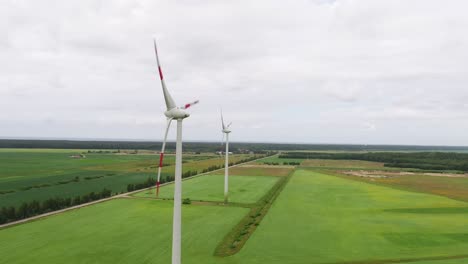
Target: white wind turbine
x=226 y=132
x=177 y=113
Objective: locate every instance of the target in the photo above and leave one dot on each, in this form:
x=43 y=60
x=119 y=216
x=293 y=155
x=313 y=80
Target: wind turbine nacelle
x=226 y=131
x=176 y=113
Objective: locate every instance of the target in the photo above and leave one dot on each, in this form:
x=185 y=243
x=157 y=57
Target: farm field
x=342 y=221
x=349 y=164
x=39 y=174
x=119 y=231
x=242 y=189
x=455 y=187
x=326 y=163
x=321 y=216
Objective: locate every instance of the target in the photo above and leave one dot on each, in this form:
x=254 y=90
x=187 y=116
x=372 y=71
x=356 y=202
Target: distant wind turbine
x=177 y=113
x=226 y=132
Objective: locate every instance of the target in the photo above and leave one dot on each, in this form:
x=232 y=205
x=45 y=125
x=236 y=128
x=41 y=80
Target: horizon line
x=208 y=141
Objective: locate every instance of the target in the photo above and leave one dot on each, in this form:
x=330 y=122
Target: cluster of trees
x=148 y=183
x=284 y=163
x=189 y=173
x=29 y=209
x=212 y=168
x=293 y=163
x=419 y=160
x=271 y=163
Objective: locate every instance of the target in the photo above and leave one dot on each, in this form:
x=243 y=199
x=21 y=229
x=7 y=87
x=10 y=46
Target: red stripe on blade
x=161 y=156
x=160 y=73
x=187 y=105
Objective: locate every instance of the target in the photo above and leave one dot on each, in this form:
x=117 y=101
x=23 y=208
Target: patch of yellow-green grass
x=452 y=187
x=320 y=218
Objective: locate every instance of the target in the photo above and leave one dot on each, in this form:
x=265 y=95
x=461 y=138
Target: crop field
x=39 y=174
x=315 y=214
x=119 y=231
x=345 y=221
x=452 y=187
x=325 y=163
x=242 y=189
x=348 y=164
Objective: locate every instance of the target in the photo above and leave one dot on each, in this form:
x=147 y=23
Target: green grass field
x=259 y=170
x=39 y=174
x=119 y=231
x=242 y=189
x=319 y=217
x=326 y=219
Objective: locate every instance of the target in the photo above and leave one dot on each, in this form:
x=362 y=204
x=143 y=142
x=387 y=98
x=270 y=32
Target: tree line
x=419 y=160
x=29 y=209
x=260 y=148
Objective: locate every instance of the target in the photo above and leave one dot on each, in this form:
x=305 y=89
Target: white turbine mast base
x=226 y=171
x=177 y=217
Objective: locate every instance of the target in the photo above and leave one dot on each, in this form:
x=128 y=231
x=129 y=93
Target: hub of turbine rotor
x=176 y=113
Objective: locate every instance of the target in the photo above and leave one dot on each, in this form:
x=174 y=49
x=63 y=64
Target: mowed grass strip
x=242 y=189
x=326 y=219
x=239 y=235
x=119 y=231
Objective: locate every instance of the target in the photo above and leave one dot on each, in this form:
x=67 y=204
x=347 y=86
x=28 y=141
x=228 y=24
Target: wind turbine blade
x=222 y=121
x=222 y=144
x=190 y=104
x=161 y=156
x=167 y=97
x=229 y=125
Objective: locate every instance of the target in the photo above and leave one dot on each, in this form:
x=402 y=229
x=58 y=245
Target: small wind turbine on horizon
x=173 y=113
x=226 y=132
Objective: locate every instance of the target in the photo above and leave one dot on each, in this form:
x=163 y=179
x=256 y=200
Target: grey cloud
x=304 y=71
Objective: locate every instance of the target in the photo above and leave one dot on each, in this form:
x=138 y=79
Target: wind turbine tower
x=173 y=113
x=226 y=132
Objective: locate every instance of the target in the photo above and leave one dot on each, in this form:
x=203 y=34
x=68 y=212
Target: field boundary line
x=122 y=195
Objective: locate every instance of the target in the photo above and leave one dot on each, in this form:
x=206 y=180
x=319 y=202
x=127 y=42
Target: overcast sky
x=317 y=71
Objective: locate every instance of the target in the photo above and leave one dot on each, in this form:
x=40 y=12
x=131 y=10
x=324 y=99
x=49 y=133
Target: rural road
x=109 y=198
